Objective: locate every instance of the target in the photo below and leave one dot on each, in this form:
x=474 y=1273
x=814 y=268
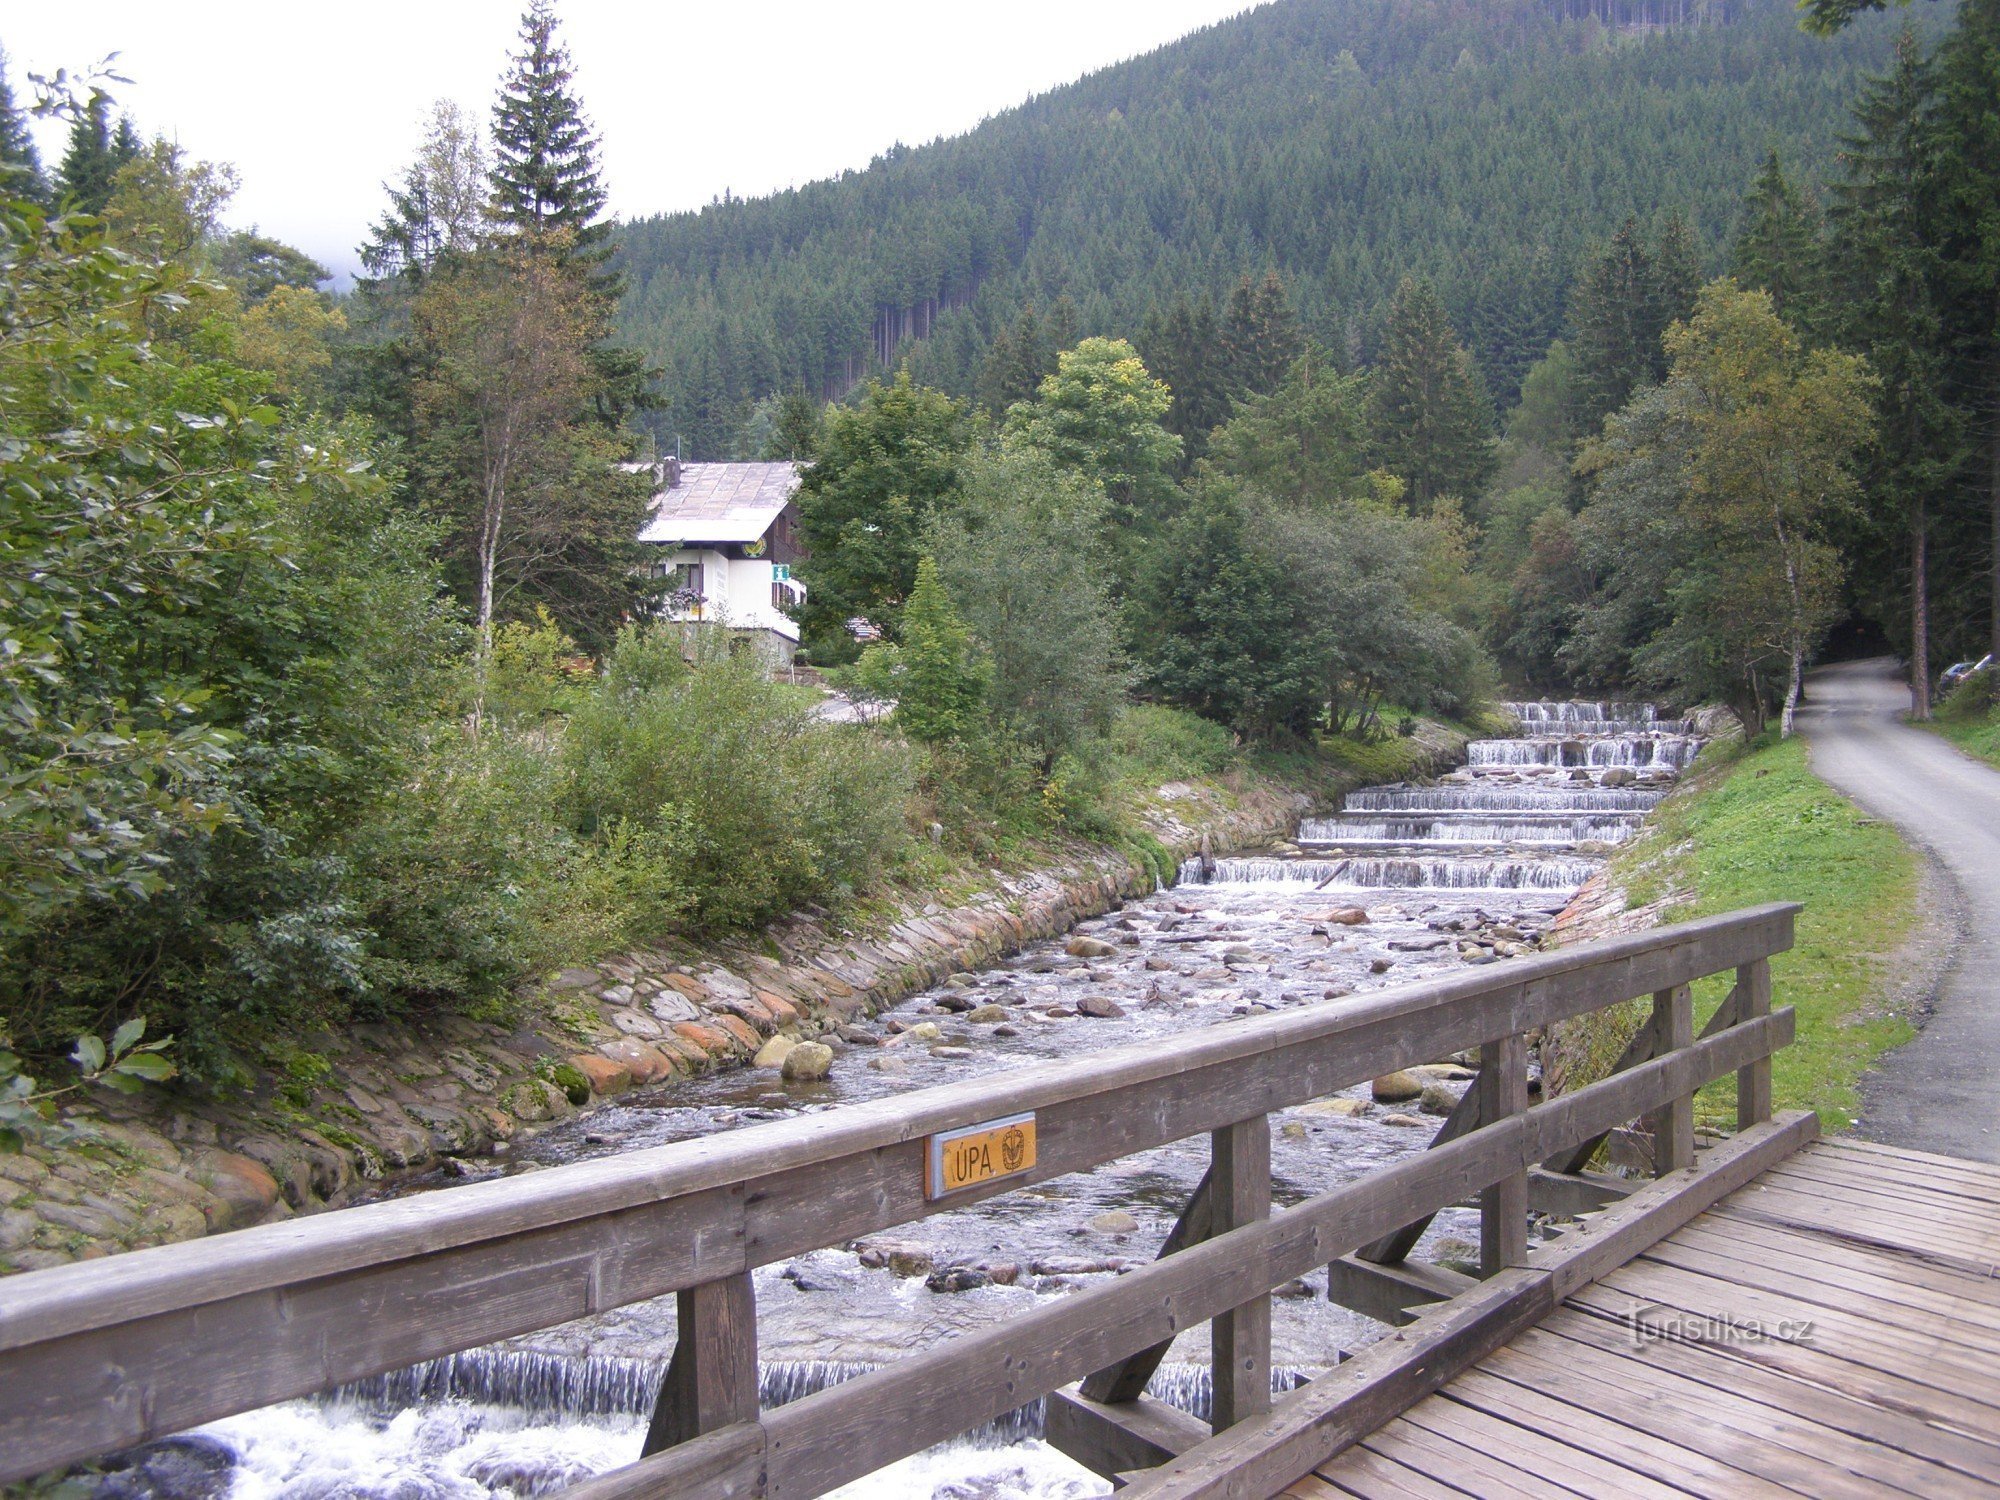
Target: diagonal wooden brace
x=1640 y=1050
x=1393 y=1248
x=1126 y=1380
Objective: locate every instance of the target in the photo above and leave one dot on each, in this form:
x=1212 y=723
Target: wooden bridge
x=1767 y=1315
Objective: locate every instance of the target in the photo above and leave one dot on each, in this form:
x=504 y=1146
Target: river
x=1470 y=869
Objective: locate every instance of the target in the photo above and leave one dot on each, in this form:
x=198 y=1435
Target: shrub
x=752 y=805
x=1973 y=698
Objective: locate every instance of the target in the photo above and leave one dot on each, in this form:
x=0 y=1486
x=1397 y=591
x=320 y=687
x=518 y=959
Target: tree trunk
x=1920 y=614
x=1993 y=483
x=1792 y=682
x=490 y=526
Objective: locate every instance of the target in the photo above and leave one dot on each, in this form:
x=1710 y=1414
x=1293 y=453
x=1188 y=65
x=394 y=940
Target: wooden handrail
x=102 y=1354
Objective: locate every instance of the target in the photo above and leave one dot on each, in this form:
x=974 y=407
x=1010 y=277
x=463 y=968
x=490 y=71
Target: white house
x=727 y=540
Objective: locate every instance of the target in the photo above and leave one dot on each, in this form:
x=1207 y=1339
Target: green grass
x=1756 y=825
x=1977 y=735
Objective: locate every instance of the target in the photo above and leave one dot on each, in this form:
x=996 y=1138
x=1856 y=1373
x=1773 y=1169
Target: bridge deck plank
x=1896 y=1390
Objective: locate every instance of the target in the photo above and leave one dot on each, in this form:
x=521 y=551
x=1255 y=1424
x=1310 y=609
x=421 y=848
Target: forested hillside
x=1345 y=143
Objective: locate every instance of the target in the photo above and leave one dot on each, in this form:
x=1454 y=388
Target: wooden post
x=1239 y=1175
x=1753 y=1083
x=712 y=1379
x=1672 y=1026
x=1503 y=1207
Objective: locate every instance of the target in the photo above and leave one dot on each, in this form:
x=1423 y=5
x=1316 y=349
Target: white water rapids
x=1496 y=847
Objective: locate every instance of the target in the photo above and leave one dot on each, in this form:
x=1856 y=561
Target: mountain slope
x=1346 y=142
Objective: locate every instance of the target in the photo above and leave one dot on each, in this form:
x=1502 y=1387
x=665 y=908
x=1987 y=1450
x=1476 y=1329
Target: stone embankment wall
x=1582 y=1050
x=384 y=1099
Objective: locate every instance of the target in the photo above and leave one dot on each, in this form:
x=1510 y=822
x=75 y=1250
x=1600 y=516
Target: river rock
x=924 y=1031
x=1437 y=1100
x=191 y=1466
x=1115 y=1221
x=957 y=1279
x=1617 y=776
x=1347 y=916
x=988 y=1015
x=898 y=1258
x=1292 y=1130
x=808 y=1062
x=1450 y=1072
x=1088 y=947
x=1341 y=1106
x=1394 y=1088
x=1380 y=966
x=1102 y=1007
x=956 y=1003
x=1417 y=1120
x=774 y=1052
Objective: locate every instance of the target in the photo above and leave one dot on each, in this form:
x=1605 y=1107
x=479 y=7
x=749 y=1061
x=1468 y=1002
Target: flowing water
x=1470 y=869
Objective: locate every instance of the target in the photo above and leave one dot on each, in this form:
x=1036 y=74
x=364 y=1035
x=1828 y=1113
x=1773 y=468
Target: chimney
x=670 y=472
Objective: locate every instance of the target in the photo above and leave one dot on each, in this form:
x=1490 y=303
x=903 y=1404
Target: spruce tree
x=1183 y=349
x=1677 y=275
x=1429 y=417
x=1260 y=336
x=20 y=162
x=1967 y=186
x=943 y=683
x=544 y=174
x=1777 y=244
x=1889 y=308
x=94 y=155
x=1611 y=325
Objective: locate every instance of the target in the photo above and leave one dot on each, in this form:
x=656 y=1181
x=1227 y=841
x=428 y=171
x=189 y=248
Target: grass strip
x=1753 y=825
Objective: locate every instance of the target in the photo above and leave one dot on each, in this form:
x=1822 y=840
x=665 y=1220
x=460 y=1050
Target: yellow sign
x=978 y=1154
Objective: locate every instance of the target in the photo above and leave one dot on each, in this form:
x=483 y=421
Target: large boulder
x=1089 y=947
x=808 y=1062
x=774 y=1052
x=1394 y=1088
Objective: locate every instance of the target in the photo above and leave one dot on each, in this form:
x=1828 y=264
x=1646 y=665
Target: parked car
x=1954 y=675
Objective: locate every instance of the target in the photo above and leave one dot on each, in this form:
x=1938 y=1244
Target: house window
x=682 y=578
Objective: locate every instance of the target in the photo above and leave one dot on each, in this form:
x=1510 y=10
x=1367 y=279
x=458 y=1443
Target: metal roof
x=720 y=503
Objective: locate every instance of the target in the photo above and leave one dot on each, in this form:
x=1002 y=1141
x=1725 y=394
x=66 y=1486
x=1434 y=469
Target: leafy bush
x=1162 y=743
x=1973 y=698
x=749 y=803
x=536 y=671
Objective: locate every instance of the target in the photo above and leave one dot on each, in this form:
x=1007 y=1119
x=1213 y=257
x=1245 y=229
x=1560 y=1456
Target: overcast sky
x=316 y=106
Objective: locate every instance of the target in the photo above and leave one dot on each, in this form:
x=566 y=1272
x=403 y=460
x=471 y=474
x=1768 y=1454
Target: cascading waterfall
x=1537 y=874
x=580 y=1387
x=1669 y=752
x=1522 y=814
x=1458 y=796
x=1589 y=828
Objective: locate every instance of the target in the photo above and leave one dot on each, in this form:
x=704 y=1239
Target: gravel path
x=1942 y=1091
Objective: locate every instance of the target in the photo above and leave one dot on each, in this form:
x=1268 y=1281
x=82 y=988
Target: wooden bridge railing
x=100 y=1355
